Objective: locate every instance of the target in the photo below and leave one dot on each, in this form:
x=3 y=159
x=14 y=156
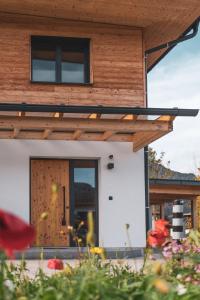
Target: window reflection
x=72 y=67
x=44 y=65
x=84 y=196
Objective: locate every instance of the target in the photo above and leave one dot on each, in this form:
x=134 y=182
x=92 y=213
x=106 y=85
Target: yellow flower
x=96 y=250
x=157 y=267
x=54 y=188
x=70 y=228
x=161 y=285
x=68 y=269
x=90 y=235
x=44 y=215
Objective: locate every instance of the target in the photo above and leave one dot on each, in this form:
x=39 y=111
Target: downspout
x=167 y=45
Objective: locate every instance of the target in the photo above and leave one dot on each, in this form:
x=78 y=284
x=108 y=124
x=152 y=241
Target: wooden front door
x=50 y=194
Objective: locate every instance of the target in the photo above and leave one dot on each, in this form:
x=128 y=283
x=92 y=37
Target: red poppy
x=163 y=226
x=155 y=238
x=56 y=264
x=15 y=234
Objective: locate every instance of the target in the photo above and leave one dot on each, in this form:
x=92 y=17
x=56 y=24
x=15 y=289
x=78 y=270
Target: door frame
x=71 y=191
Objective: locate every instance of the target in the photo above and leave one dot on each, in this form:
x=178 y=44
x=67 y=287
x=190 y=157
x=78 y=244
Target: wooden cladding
x=161 y=21
x=116 y=63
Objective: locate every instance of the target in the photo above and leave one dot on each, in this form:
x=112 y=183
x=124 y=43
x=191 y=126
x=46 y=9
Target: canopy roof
x=162 y=21
x=140 y=126
x=165 y=190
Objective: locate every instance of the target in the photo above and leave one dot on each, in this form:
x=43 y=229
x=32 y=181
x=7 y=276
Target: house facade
x=74 y=119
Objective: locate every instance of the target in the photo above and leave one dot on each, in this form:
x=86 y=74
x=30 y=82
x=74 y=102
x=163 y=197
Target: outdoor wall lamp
x=110 y=164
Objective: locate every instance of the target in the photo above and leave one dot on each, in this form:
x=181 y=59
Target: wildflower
x=155 y=238
x=56 y=264
x=44 y=216
x=181 y=289
x=15 y=234
x=161 y=285
x=99 y=251
x=162 y=225
x=179 y=276
x=54 y=193
x=197 y=268
x=188 y=279
x=177 y=247
x=90 y=234
x=68 y=269
x=70 y=228
x=157 y=267
x=54 y=188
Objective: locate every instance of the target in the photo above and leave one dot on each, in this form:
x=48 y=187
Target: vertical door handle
x=63 y=223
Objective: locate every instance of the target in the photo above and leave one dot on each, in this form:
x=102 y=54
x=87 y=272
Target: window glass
x=43 y=63
x=72 y=67
x=85 y=191
x=60 y=60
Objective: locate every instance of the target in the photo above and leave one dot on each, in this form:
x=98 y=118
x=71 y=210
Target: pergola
x=168 y=190
x=141 y=126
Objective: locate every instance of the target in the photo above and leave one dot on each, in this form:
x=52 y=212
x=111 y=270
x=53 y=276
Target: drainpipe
x=169 y=45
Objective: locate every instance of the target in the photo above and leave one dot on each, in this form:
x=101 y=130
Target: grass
x=94 y=279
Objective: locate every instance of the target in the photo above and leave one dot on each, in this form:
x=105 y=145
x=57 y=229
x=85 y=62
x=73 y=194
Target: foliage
x=92 y=279
x=157 y=169
x=96 y=279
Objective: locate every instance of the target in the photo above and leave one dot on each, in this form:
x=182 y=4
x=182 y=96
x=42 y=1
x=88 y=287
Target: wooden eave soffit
x=94 y=127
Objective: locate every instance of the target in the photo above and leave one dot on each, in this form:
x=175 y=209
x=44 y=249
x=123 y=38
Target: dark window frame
x=72 y=44
x=72 y=165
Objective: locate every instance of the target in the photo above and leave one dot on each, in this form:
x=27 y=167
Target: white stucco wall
x=125 y=183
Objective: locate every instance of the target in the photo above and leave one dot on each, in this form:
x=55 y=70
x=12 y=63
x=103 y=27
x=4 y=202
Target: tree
x=157 y=170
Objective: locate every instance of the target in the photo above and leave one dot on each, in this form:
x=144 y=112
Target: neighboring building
x=73 y=111
x=163 y=193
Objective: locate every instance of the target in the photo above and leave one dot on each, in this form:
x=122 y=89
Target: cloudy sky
x=175 y=82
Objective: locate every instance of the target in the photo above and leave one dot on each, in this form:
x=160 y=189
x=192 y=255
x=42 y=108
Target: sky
x=175 y=82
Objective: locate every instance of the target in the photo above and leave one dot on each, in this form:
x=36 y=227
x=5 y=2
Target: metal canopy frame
x=97 y=109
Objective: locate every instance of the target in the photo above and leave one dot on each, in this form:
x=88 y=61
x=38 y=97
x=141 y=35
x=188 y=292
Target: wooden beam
x=58 y=115
x=166 y=118
x=65 y=136
x=16 y=133
x=21 y=114
x=130 y=117
x=46 y=133
x=11 y=122
x=107 y=134
x=142 y=139
x=176 y=190
x=77 y=134
x=94 y=116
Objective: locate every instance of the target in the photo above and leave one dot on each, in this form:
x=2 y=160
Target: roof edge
x=170 y=48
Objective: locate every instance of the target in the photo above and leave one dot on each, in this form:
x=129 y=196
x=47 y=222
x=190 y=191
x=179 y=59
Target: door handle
x=63 y=223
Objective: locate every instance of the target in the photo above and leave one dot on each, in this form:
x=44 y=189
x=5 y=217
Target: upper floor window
x=60 y=60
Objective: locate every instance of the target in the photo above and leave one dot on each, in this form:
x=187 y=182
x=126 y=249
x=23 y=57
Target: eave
x=159 y=21
x=87 y=123
x=166 y=190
